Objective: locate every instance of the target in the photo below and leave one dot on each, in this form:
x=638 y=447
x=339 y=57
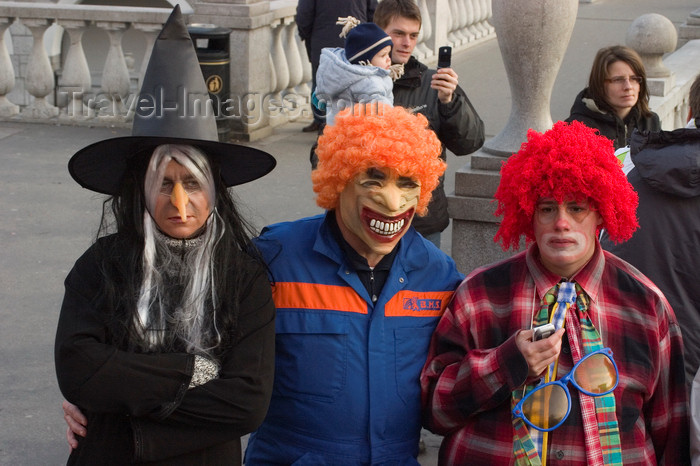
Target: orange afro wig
x=567 y=162
x=376 y=136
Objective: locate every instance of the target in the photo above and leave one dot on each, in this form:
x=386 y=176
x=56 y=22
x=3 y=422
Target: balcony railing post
x=75 y=79
x=462 y=23
x=422 y=51
x=7 y=73
x=280 y=68
x=40 y=81
x=115 y=75
x=304 y=88
x=150 y=32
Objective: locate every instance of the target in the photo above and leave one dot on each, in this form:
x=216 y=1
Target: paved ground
x=48 y=220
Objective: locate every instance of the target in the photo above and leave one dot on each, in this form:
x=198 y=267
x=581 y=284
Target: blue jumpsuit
x=346 y=388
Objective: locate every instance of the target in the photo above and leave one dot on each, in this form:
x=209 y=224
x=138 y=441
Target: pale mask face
x=182 y=207
x=383 y=58
x=375 y=210
x=565 y=234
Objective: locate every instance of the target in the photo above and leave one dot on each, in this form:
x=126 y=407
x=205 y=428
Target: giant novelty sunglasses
x=547 y=406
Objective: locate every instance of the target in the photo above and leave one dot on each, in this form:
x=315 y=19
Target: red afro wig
x=376 y=136
x=567 y=162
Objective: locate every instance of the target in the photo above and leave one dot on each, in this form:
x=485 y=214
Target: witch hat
x=173 y=107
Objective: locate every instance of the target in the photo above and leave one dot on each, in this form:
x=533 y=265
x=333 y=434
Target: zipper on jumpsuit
x=371 y=285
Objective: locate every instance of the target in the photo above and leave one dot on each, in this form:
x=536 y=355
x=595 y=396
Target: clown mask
x=375 y=210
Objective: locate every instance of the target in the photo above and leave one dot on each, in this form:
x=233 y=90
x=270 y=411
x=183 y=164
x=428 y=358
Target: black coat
x=666 y=246
x=610 y=125
x=138 y=405
x=316 y=23
x=456 y=124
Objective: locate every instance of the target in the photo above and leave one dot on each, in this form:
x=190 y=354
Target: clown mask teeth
x=386 y=228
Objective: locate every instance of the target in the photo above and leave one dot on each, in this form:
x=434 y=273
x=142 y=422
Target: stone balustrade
x=670 y=71
x=36 y=87
x=672 y=106
x=46 y=75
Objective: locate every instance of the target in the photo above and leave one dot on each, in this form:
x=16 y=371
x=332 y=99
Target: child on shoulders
x=359 y=73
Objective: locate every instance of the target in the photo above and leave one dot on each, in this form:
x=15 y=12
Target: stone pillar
x=533 y=36
x=75 y=80
x=150 y=32
x=304 y=88
x=653 y=35
x=40 y=78
x=7 y=73
x=428 y=16
x=251 y=68
x=116 y=82
x=690 y=30
x=279 y=66
x=292 y=102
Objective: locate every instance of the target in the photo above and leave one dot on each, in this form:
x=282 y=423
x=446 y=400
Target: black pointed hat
x=173 y=107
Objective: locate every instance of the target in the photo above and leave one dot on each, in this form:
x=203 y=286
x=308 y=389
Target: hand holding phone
x=539 y=355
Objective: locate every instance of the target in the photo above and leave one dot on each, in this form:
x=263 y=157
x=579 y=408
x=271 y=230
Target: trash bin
x=213 y=53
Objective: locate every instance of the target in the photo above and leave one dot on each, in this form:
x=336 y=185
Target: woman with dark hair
x=616 y=100
x=165 y=343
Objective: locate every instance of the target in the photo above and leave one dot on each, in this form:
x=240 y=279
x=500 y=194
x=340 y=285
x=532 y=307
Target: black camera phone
x=444 y=57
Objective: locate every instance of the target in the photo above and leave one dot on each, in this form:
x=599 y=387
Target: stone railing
x=46 y=75
x=61 y=88
x=670 y=71
x=672 y=107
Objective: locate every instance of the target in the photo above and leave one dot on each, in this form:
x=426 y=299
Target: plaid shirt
x=474 y=364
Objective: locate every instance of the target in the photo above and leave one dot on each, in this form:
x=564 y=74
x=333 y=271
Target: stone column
x=7 y=73
x=533 y=36
x=292 y=101
x=150 y=32
x=690 y=30
x=116 y=82
x=303 y=89
x=429 y=18
x=653 y=35
x=279 y=67
x=40 y=78
x=75 y=80
x=251 y=67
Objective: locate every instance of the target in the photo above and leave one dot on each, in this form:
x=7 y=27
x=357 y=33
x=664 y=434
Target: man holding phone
x=434 y=93
x=608 y=386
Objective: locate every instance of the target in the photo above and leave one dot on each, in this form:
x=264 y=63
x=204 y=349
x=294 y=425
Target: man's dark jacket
x=665 y=248
x=316 y=22
x=456 y=124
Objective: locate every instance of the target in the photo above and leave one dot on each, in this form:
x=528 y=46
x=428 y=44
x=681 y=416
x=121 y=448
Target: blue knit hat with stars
x=364 y=41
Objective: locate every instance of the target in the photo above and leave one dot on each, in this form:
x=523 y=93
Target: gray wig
x=177 y=297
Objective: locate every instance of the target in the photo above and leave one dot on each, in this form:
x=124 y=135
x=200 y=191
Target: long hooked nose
x=392 y=197
x=179 y=199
